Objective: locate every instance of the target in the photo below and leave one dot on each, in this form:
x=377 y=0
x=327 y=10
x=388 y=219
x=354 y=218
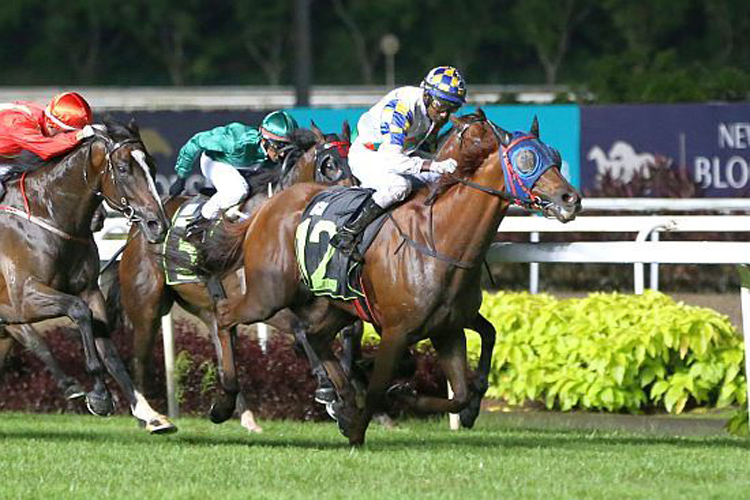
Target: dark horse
x=141 y=293
x=49 y=263
x=422 y=272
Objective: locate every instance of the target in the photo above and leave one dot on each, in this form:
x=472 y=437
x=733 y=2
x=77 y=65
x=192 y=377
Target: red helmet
x=69 y=111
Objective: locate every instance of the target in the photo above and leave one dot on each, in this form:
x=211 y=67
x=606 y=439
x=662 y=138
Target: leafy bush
x=612 y=352
x=277 y=384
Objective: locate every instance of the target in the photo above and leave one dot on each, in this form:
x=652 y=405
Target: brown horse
x=422 y=272
x=141 y=296
x=49 y=263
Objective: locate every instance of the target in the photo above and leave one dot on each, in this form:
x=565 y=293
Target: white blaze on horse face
x=140 y=158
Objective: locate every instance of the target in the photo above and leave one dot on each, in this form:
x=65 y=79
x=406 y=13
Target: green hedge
x=614 y=352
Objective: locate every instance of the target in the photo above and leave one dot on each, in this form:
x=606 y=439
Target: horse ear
x=133 y=126
x=505 y=136
x=346 y=131
x=318 y=133
x=535 y=127
x=480 y=114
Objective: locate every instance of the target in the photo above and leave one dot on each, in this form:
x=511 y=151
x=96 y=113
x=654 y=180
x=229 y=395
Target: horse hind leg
x=30 y=339
x=451 y=350
x=40 y=301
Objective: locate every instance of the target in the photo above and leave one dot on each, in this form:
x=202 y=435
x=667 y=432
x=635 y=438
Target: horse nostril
x=154 y=226
x=570 y=198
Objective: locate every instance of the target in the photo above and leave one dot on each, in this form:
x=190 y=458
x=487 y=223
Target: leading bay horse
x=421 y=275
x=140 y=294
x=49 y=263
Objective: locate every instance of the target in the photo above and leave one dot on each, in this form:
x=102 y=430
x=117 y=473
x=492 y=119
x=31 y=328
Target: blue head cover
x=525 y=160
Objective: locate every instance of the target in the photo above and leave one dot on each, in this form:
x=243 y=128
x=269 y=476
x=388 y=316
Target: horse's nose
x=572 y=199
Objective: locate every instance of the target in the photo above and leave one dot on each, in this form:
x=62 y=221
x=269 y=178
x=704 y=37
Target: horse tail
x=223 y=250
x=115 y=314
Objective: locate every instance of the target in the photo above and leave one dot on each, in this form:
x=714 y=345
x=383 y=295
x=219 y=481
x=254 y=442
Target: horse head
x=530 y=169
x=326 y=162
x=125 y=176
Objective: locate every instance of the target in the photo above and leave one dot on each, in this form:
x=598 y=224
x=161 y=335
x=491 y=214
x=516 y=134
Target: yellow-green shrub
x=611 y=351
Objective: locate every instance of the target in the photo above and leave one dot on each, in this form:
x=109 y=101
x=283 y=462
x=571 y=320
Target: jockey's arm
x=31 y=139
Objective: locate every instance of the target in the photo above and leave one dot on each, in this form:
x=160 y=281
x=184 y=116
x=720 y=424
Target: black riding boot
x=197 y=228
x=347 y=236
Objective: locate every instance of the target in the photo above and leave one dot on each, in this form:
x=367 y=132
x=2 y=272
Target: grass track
x=64 y=456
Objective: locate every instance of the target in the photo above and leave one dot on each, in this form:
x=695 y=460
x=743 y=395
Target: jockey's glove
x=177 y=187
x=86 y=132
x=444 y=166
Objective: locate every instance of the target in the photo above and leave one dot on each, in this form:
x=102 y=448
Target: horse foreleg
x=30 y=339
x=480 y=384
x=154 y=422
x=223 y=406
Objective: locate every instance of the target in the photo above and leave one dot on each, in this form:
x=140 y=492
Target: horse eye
x=526 y=161
x=122 y=168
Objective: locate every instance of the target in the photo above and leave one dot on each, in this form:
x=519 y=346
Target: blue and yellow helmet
x=445 y=82
x=277 y=126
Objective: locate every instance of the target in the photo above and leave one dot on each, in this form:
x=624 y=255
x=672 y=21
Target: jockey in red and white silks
x=387 y=147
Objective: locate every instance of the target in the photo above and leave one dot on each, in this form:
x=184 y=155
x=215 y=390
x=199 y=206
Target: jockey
x=47 y=131
x=387 y=147
x=222 y=151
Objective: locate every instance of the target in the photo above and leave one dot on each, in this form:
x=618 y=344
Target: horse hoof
x=73 y=392
x=219 y=414
x=160 y=426
x=468 y=416
x=325 y=395
x=101 y=406
x=248 y=422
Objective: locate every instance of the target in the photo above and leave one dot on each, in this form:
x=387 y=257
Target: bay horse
x=140 y=294
x=49 y=262
x=421 y=274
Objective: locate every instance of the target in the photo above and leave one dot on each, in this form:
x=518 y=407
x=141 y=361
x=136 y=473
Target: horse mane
x=469 y=158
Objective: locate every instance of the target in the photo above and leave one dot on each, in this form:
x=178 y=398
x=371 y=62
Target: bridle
x=515 y=192
x=337 y=152
x=123 y=205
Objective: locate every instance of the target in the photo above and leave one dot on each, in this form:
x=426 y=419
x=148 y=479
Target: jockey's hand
x=444 y=167
x=86 y=132
x=177 y=187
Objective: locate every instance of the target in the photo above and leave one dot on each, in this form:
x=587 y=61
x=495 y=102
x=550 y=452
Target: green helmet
x=277 y=126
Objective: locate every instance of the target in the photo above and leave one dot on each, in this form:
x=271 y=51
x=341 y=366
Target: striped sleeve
x=395 y=121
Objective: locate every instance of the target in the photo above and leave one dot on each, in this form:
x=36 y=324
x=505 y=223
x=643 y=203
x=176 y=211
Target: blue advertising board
x=164 y=132
x=710 y=141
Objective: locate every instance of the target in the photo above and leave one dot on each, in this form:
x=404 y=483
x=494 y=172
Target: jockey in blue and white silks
x=390 y=145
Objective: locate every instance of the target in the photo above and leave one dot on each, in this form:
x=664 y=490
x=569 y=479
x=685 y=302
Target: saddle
x=8 y=173
x=325 y=270
x=180 y=253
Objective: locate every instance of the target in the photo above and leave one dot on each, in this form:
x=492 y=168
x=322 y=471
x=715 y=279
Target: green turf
x=62 y=456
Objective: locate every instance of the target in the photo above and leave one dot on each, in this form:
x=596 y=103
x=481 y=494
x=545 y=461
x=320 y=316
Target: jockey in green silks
x=222 y=151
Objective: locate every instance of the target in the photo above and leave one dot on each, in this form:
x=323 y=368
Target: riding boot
x=2 y=188
x=196 y=228
x=347 y=237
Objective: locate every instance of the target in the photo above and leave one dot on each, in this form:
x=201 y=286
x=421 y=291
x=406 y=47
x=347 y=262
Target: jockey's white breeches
x=231 y=187
x=390 y=187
